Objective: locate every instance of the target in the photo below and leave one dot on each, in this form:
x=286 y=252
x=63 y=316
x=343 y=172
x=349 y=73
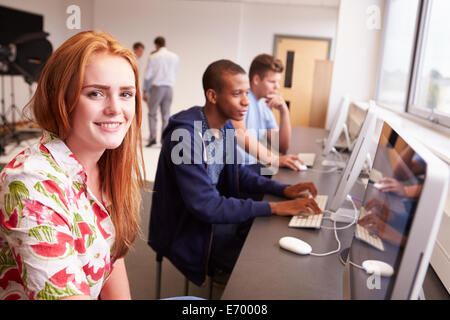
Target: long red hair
x=52 y=105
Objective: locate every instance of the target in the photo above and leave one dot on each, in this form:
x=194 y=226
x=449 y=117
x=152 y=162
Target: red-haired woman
x=69 y=206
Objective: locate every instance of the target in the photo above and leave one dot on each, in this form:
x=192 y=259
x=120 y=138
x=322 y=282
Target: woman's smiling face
x=106 y=105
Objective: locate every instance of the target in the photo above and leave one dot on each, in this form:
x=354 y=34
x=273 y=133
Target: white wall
x=201 y=32
x=357 y=54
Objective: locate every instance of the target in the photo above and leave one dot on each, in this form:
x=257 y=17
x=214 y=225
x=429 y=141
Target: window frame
x=421 y=28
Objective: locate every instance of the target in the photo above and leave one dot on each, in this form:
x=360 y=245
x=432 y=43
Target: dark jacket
x=185 y=204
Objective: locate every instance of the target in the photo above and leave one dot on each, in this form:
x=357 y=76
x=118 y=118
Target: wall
x=357 y=54
x=204 y=31
x=199 y=31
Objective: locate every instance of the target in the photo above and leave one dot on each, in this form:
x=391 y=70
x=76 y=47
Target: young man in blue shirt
x=259 y=123
x=196 y=210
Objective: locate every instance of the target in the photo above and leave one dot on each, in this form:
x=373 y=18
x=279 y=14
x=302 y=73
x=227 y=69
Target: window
x=432 y=83
x=401 y=17
x=415 y=67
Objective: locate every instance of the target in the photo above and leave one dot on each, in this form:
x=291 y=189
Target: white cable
x=355 y=218
x=337 y=153
x=331 y=252
x=356 y=265
x=335 y=233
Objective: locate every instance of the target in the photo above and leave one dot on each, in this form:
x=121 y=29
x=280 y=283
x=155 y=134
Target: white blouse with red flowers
x=56 y=238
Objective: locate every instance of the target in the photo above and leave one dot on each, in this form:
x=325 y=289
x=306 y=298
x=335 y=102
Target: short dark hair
x=138 y=45
x=160 y=41
x=263 y=63
x=213 y=75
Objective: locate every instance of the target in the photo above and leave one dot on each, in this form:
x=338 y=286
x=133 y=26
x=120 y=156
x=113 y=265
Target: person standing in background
x=159 y=79
x=138 y=49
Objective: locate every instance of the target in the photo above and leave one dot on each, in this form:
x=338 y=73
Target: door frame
x=278 y=36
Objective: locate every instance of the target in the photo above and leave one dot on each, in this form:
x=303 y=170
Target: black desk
x=264 y=270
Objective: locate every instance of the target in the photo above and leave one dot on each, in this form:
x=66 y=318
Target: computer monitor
x=363 y=152
x=337 y=125
x=345 y=130
x=399 y=220
x=356 y=115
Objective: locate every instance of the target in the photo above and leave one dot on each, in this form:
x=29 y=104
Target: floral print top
x=56 y=238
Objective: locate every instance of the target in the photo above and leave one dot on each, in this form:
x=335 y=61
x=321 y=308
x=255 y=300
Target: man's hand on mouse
x=298 y=190
x=294 y=207
x=290 y=161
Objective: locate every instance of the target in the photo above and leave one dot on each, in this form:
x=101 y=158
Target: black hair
x=160 y=41
x=213 y=75
x=138 y=45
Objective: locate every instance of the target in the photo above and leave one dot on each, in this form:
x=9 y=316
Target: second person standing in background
x=159 y=79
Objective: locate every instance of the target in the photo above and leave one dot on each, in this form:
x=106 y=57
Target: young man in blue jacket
x=195 y=207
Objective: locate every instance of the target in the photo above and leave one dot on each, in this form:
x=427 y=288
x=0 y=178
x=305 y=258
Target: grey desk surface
x=264 y=270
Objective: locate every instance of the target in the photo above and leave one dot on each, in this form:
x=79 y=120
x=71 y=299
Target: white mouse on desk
x=379 y=267
x=378 y=185
x=295 y=245
x=302 y=167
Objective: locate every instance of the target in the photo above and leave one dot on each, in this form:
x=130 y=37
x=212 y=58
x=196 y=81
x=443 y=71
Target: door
x=300 y=56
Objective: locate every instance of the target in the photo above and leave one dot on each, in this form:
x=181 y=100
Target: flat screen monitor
x=337 y=125
x=399 y=220
x=356 y=115
x=363 y=152
x=346 y=126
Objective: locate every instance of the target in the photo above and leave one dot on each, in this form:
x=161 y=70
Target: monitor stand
x=343 y=255
x=421 y=295
x=347 y=137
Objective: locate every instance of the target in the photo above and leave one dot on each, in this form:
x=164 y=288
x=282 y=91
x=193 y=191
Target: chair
x=224 y=253
x=159 y=259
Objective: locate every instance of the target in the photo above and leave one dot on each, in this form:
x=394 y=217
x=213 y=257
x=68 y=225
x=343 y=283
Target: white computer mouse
x=378 y=267
x=302 y=167
x=378 y=185
x=295 y=245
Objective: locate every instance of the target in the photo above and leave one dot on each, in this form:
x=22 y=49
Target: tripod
x=9 y=130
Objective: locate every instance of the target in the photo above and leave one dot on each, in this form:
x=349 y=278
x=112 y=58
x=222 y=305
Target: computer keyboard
x=313 y=221
x=307 y=158
x=364 y=235
x=375 y=175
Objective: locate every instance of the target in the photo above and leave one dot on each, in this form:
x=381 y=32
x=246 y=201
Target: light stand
x=26 y=57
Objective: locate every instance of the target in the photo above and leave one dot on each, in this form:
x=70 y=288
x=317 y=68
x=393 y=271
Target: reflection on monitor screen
x=355 y=119
x=397 y=222
x=337 y=125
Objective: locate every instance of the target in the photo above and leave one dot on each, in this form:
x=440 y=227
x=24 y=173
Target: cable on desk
x=335 y=228
x=339 y=155
x=349 y=198
x=332 y=252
